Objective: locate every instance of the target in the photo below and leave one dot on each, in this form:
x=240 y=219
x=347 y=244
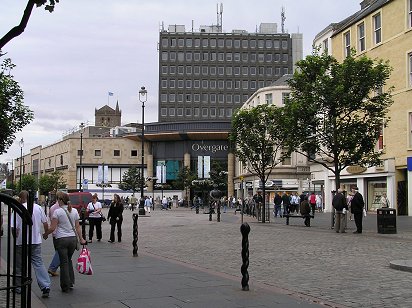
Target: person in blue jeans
x=278 y=205
x=55 y=263
x=39 y=219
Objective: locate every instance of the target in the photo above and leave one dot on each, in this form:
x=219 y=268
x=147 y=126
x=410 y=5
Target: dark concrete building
x=205 y=75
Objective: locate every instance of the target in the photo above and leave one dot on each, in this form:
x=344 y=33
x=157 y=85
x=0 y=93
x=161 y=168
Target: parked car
x=79 y=201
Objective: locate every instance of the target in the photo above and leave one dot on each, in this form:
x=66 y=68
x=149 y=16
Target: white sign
x=161 y=174
x=203 y=167
x=102 y=174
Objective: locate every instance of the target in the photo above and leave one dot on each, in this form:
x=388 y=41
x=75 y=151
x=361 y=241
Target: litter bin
x=386 y=220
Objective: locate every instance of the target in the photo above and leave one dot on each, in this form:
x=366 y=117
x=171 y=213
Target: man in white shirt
x=39 y=218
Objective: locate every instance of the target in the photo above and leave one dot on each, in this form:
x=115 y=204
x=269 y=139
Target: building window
x=116 y=153
x=287 y=161
x=221 y=112
x=133 y=153
x=284 y=44
x=196 y=112
x=361 y=37
x=380 y=139
x=188 y=112
x=165 y=42
x=377 y=28
x=189 y=42
x=325 y=46
x=213 y=112
x=163 y=112
x=346 y=43
x=205 y=112
x=80 y=153
x=163 y=98
x=268 y=98
x=410 y=68
x=196 y=70
x=180 y=112
x=410 y=13
x=205 y=70
x=180 y=42
x=172 y=112
x=285 y=97
x=97 y=153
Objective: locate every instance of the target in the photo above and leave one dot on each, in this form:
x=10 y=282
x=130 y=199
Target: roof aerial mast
x=283 y=19
x=219 y=17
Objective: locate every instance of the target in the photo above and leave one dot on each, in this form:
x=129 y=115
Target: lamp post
x=81 y=128
x=21 y=144
x=142 y=99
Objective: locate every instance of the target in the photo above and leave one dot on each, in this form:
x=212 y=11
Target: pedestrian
x=285 y=203
x=38 y=218
x=312 y=202
x=115 y=217
x=384 y=202
x=164 y=203
x=319 y=204
x=258 y=198
x=65 y=222
x=278 y=205
x=357 y=208
x=348 y=202
x=95 y=218
x=340 y=206
x=224 y=204
x=147 y=204
x=55 y=263
x=305 y=210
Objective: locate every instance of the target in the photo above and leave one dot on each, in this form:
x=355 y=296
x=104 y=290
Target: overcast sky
x=69 y=60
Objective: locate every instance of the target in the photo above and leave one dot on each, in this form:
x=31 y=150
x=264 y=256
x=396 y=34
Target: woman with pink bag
x=66 y=223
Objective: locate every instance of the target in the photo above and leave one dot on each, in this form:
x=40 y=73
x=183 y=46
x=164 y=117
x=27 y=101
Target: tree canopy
x=257 y=139
x=51 y=182
x=19 y=29
x=336 y=111
x=131 y=180
x=13 y=114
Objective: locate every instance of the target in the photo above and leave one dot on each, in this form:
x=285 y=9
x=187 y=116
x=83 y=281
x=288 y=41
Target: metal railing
x=15 y=268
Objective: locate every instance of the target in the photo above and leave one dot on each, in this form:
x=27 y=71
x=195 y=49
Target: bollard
x=218 y=211
x=82 y=216
x=197 y=209
x=245 y=229
x=135 y=234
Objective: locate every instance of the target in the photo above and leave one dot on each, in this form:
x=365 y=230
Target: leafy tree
x=218 y=175
x=336 y=111
x=28 y=182
x=51 y=182
x=13 y=114
x=19 y=29
x=184 y=180
x=131 y=180
x=257 y=139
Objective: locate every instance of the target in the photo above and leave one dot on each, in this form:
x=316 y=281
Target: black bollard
x=245 y=229
x=82 y=216
x=218 y=212
x=135 y=234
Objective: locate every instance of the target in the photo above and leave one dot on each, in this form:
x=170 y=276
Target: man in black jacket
x=357 y=205
x=340 y=206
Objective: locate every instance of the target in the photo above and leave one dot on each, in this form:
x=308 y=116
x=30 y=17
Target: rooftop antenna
x=219 y=17
x=283 y=19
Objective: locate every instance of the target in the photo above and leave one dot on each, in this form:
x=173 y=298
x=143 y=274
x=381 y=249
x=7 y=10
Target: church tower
x=107 y=116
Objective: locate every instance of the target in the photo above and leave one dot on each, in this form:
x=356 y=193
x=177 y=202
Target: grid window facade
x=217 y=69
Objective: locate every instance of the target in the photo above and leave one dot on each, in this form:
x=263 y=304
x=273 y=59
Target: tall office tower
x=205 y=75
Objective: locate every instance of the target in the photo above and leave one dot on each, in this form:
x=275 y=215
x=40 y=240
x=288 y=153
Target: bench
x=287 y=216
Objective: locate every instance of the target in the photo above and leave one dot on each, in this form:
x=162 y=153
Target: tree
x=13 y=114
x=19 y=29
x=218 y=175
x=257 y=140
x=184 y=180
x=131 y=180
x=51 y=182
x=336 y=111
x=28 y=182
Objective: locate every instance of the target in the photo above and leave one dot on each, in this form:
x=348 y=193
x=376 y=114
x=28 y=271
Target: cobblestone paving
x=348 y=269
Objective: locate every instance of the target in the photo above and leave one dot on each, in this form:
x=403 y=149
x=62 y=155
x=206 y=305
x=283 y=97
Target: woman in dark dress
x=115 y=217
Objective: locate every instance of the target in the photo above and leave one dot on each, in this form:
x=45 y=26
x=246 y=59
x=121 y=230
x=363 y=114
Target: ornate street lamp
x=142 y=99
x=21 y=144
x=81 y=129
